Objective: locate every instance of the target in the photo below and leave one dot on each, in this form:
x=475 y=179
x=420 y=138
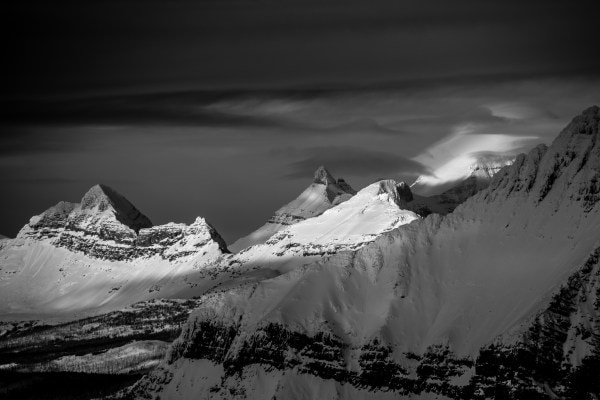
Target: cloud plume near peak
x=355 y=161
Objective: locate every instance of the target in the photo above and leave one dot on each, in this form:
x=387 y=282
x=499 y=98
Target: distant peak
x=323 y=176
x=103 y=198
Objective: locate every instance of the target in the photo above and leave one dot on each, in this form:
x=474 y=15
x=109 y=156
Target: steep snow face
x=99 y=255
x=325 y=192
x=41 y=281
x=509 y=278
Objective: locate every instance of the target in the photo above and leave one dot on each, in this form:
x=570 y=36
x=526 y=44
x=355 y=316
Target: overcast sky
x=224 y=108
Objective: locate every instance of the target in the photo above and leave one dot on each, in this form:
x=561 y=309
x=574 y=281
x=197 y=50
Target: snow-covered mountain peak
x=565 y=173
x=323 y=193
x=386 y=190
x=323 y=176
x=106 y=225
x=102 y=198
x=376 y=209
x=101 y=254
x=202 y=229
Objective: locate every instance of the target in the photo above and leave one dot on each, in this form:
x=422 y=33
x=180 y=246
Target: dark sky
x=224 y=108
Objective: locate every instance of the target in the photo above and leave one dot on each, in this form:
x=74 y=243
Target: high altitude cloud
x=355 y=161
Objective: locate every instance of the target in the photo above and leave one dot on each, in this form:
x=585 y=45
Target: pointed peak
x=201 y=225
x=100 y=196
x=103 y=198
x=323 y=176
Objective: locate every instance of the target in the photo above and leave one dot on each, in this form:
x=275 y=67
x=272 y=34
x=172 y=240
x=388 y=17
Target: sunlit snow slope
x=99 y=255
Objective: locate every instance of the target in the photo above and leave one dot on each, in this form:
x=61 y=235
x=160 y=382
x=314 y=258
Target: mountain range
x=488 y=290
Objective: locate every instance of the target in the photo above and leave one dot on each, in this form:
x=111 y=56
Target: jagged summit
x=568 y=170
x=324 y=193
x=350 y=225
x=102 y=198
x=106 y=225
x=323 y=176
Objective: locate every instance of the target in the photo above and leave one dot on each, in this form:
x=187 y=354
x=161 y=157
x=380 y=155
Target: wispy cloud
x=353 y=161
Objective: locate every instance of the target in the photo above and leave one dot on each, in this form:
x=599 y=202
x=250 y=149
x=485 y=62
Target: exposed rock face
x=499 y=299
x=106 y=225
x=404 y=192
x=570 y=167
x=323 y=177
x=324 y=193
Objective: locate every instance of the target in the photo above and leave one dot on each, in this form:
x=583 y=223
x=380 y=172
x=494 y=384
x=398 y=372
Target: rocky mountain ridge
x=105 y=225
x=500 y=298
x=355 y=295
x=78 y=259
x=323 y=193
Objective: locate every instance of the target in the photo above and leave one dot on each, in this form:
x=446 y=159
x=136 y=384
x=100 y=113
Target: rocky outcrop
x=105 y=225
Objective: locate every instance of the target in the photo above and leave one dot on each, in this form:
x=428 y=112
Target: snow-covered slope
x=375 y=209
x=99 y=255
x=499 y=298
x=324 y=192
